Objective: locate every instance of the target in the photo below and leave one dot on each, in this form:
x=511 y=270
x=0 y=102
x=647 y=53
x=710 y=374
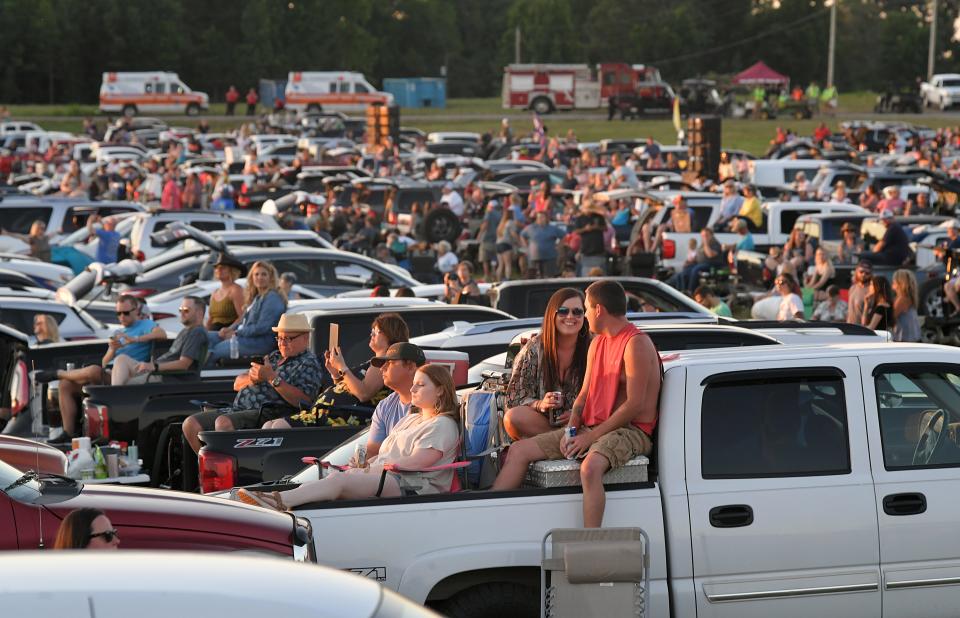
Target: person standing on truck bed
x=614 y=414
x=291 y=374
x=226 y=302
x=363 y=385
x=548 y=371
x=184 y=357
x=134 y=340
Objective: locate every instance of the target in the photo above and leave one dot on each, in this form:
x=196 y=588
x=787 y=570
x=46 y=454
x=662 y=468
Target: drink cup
x=113 y=465
x=570 y=432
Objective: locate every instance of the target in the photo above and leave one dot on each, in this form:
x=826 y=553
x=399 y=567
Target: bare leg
x=124 y=368
x=507 y=258
x=223 y=423
x=191 y=431
x=521 y=455
x=68 y=390
x=594 y=497
x=278 y=423
x=525 y=422
x=342 y=486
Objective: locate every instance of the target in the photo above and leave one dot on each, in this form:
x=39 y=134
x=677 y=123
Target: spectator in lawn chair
x=429 y=438
x=351 y=387
x=264 y=303
x=290 y=375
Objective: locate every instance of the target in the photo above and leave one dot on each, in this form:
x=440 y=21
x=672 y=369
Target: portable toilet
x=417 y=91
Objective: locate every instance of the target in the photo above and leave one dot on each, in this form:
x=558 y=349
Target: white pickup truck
x=778 y=220
x=942 y=91
x=787 y=481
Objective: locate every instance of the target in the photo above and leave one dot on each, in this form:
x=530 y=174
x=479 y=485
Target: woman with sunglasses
x=548 y=371
x=361 y=385
x=87 y=529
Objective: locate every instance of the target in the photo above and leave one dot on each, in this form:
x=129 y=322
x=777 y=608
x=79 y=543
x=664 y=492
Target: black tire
x=541 y=105
x=314 y=108
x=129 y=111
x=193 y=109
x=931 y=298
x=497 y=599
x=442 y=224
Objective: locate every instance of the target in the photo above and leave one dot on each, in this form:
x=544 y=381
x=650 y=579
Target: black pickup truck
x=146 y=412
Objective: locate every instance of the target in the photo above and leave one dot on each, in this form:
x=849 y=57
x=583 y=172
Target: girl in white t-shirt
x=421 y=440
x=791 y=305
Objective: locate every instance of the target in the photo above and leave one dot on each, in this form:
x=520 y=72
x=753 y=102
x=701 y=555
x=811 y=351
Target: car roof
x=371 y=306
x=814 y=352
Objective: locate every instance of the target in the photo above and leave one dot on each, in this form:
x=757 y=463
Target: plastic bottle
x=100 y=465
x=234 y=347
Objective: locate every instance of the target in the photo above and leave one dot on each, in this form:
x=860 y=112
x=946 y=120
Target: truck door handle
x=904 y=504
x=731 y=516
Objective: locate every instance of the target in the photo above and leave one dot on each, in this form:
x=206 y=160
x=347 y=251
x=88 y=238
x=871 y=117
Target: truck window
x=209 y=226
x=148 y=88
x=359 y=87
x=758 y=426
x=344 y=86
x=177 y=88
x=160 y=88
x=333 y=87
x=609 y=78
x=19 y=219
x=789 y=217
x=75 y=218
x=919 y=410
x=22 y=319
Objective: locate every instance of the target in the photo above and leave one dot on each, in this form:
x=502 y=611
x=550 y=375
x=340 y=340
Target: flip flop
x=271 y=500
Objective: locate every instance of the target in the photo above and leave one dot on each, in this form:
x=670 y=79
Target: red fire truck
x=548 y=87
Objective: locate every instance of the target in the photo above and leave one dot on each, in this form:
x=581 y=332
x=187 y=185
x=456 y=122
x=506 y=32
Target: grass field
x=481 y=115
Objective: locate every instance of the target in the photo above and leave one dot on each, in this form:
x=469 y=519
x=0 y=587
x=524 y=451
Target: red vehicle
x=26 y=455
x=145 y=518
x=548 y=87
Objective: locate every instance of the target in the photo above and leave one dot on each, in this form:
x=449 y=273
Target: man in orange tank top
x=614 y=414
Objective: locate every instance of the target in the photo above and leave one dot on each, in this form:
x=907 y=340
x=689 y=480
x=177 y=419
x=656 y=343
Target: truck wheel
x=193 y=109
x=442 y=224
x=496 y=599
x=929 y=334
x=542 y=105
x=313 y=108
x=129 y=111
x=931 y=298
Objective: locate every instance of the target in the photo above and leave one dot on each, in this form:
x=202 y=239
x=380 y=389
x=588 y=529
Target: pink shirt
x=171 y=196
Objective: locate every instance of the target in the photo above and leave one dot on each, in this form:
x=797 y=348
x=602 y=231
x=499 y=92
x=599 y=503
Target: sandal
x=271 y=500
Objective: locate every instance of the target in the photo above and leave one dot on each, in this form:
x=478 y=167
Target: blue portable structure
x=417 y=91
x=269 y=90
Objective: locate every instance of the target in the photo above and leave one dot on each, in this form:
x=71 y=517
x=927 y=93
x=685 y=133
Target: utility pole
x=931 y=51
x=831 y=52
x=516 y=46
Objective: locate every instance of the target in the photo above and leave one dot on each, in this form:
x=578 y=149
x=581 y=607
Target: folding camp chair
x=594 y=572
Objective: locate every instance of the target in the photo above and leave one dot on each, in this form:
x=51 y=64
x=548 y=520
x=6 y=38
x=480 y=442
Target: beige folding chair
x=594 y=572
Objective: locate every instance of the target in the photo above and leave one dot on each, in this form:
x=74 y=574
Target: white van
x=149 y=91
x=313 y=91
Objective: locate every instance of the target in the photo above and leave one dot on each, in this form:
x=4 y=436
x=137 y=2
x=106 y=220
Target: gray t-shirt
x=190 y=342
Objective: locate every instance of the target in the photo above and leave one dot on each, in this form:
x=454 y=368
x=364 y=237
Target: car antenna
x=33 y=367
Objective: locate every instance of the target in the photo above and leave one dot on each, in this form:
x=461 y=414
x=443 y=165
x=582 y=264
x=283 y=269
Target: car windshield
x=30 y=488
x=951 y=83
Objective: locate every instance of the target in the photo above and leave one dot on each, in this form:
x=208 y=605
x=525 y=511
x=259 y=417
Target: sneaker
x=46 y=375
x=61 y=438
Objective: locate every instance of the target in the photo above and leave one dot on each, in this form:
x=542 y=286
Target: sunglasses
x=282 y=339
x=120 y=313
x=184 y=309
x=565 y=311
x=108 y=535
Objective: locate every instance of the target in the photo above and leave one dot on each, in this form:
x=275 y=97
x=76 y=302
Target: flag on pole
x=676 y=113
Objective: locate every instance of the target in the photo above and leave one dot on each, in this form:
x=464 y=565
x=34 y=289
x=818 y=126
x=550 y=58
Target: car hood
x=156 y=508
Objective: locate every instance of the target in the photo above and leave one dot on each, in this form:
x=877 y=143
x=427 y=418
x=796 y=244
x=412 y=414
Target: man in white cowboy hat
x=291 y=374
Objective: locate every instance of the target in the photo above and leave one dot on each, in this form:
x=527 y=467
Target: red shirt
x=252 y=98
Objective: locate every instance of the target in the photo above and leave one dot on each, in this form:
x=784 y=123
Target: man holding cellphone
x=291 y=374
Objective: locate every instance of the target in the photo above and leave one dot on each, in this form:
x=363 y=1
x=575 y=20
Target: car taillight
x=139 y=255
x=669 y=250
x=97 y=420
x=218 y=472
x=20 y=389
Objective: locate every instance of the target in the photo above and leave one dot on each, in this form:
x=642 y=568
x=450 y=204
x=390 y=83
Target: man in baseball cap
x=397 y=366
x=894 y=248
x=401 y=351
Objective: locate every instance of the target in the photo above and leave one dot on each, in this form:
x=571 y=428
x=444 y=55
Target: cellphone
x=333 y=341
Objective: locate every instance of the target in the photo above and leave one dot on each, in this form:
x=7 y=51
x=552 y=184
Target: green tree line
x=56 y=50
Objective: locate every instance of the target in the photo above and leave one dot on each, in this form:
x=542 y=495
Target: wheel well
x=458 y=582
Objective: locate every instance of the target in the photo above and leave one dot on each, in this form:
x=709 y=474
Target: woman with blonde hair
x=45 y=328
x=426 y=437
x=264 y=303
x=907 y=324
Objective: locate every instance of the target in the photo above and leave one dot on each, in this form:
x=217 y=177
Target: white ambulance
x=149 y=91
x=314 y=91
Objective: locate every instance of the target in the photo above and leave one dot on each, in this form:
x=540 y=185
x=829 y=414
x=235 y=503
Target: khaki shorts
x=618 y=447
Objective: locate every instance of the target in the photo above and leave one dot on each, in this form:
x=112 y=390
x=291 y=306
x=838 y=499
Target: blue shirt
x=730 y=206
x=109 y=243
x=542 y=241
x=262 y=315
x=745 y=243
x=389 y=412
x=137 y=351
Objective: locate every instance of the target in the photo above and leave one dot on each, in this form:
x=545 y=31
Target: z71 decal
x=377 y=573
x=258 y=443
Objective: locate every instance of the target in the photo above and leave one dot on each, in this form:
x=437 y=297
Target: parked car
x=26 y=455
x=74 y=322
x=107 y=584
x=142 y=247
x=62 y=215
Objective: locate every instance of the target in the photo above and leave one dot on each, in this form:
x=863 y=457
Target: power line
x=750 y=39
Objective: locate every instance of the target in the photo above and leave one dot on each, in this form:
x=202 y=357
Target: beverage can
x=71 y=366
x=570 y=432
x=360 y=454
x=556 y=410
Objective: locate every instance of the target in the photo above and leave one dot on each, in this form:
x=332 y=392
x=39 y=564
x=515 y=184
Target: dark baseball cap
x=403 y=350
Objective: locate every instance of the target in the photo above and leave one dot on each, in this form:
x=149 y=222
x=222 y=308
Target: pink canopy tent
x=761 y=74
